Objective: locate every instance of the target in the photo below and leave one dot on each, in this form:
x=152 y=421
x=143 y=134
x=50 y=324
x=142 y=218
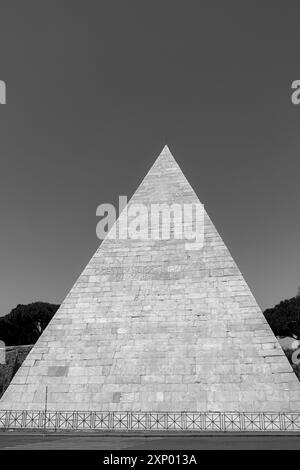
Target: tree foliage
x=284 y=318
x=25 y=323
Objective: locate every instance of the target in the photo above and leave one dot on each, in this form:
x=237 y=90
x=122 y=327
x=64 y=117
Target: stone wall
x=15 y=355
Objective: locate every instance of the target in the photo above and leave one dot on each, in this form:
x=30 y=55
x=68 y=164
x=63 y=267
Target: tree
x=25 y=323
x=284 y=318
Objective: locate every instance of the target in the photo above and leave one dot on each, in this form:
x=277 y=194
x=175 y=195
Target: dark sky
x=94 y=91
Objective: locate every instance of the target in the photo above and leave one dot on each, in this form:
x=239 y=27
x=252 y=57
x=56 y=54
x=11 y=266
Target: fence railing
x=149 y=421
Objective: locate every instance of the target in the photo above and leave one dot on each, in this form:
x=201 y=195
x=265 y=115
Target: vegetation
x=25 y=323
x=284 y=318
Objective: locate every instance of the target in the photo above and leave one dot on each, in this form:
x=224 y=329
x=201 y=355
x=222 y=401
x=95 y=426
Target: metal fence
x=149 y=421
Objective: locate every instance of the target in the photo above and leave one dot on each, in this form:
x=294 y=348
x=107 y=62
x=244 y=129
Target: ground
x=90 y=441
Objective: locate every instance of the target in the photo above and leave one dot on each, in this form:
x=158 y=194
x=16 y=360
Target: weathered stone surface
x=152 y=326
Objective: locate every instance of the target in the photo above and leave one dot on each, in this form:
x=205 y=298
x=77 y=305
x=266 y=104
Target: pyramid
x=152 y=326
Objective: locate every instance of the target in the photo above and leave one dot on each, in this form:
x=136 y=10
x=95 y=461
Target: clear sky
x=94 y=91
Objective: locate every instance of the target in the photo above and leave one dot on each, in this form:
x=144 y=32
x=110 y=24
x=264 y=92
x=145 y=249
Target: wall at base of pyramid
x=152 y=326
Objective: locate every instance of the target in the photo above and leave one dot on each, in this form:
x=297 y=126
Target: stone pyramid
x=152 y=326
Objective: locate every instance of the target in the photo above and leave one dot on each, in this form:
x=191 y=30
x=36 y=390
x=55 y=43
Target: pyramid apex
x=166 y=158
x=165 y=151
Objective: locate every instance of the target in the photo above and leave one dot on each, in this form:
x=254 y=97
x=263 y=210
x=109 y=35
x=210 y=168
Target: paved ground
x=19 y=441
